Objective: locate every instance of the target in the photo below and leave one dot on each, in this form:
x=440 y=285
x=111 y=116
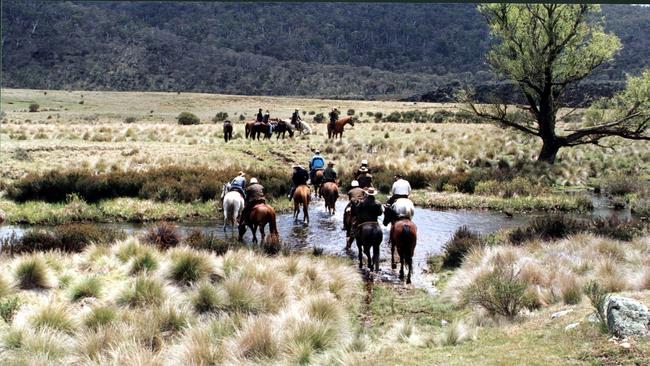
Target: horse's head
x=351 y=121
x=389 y=215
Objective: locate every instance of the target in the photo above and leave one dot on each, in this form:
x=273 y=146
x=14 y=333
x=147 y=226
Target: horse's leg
x=305 y=211
x=366 y=249
x=262 y=231
x=401 y=267
x=409 y=263
x=393 y=265
x=254 y=230
x=360 y=250
x=375 y=256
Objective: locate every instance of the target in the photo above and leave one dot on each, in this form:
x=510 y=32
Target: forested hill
x=313 y=49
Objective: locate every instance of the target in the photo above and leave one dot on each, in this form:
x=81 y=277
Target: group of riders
x=265 y=118
x=362 y=206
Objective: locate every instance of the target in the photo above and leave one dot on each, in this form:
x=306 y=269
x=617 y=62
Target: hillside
x=369 y=51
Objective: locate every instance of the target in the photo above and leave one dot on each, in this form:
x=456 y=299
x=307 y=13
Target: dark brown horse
x=338 y=127
x=227 y=131
x=330 y=192
x=281 y=128
x=403 y=235
x=261 y=215
x=369 y=235
x=301 y=196
x=317 y=181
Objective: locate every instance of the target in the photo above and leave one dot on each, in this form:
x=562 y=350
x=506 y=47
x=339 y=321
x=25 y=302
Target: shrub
x=187 y=118
x=164 y=235
x=189 y=266
x=207 y=299
x=613 y=227
x=242 y=117
x=32 y=273
x=87 y=287
x=311 y=113
x=455 y=250
x=8 y=308
x=621 y=185
x=130 y=120
x=76 y=237
x=143 y=291
x=319 y=118
x=220 y=116
x=36 y=240
x=33 y=107
x=598 y=298
x=99 y=316
x=547 y=227
x=350 y=112
x=499 y=292
x=210 y=241
x=393 y=117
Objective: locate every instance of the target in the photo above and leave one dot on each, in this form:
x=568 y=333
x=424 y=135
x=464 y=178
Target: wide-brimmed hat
x=253 y=180
x=354 y=183
x=331 y=163
x=317 y=151
x=241 y=173
x=371 y=191
x=364 y=162
x=363 y=169
x=296 y=166
x=296 y=110
x=398 y=175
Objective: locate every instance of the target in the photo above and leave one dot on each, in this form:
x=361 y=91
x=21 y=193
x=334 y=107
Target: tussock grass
x=208 y=298
x=145 y=262
x=189 y=266
x=87 y=287
x=54 y=316
x=31 y=272
x=142 y=291
x=100 y=316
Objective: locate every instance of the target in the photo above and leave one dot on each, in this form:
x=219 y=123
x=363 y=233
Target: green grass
x=100 y=316
x=87 y=287
x=32 y=273
x=189 y=266
x=143 y=291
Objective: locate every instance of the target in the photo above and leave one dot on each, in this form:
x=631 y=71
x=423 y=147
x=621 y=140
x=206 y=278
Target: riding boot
x=293 y=190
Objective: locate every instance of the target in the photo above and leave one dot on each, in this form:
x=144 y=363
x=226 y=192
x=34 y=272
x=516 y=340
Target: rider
x=317 y=162
x=260 y=117
x=266 y=116
x=334 y=116
x=299 y=177
x=368 y=210
x=364 y=177
x=401 y=189
x=254 y=195
x=364 y=164
x=238 y=184
x=329 y=174
x=295 y=117
x=355 y=195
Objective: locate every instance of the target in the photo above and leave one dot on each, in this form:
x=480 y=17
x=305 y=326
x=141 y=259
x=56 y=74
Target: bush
x=598 y=298
x=164 y=235
x=242 y=117
x=33 y=107
x=621 y=185
x=221 y=116
x=8 y=308
x=319 y=118
x=547 y=227
x=129 y=120
x=187 y=118
x=32 y=273
x=210 y=241
x=350 y=112
x=500 y=292
x=613 y=227
x=72 y=238
x=457 y=248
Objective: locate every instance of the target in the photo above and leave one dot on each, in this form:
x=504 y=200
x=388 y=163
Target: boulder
x=627 y=317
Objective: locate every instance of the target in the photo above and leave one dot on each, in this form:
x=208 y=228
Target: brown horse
x=317 y=181
x=227 y=131
x=369 y=235
x=403 y=235
x=259 y=216
x=330 y=192
x=301 y=196
x=338 y=127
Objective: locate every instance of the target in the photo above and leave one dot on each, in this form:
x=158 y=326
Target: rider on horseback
x=260 y=116
x=254 y=195
x=334 y=116
x=367 y=210
x=401 y=189
x=295 y=117
x=238 y=184
x=317 y=162
x=329 y=174
x=355 y=195
x=364 y=177
x=299 y=177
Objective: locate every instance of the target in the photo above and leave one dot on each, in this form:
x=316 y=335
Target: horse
x=403 y=235
x=369 y=235
x=233 y=204
x=338 y=127
x=330 y=192
x=301 y=196
x=301 y=126
x=281 y=128
x=261 y=215
x=227 y=131
x=403 y=207
x=318 y=179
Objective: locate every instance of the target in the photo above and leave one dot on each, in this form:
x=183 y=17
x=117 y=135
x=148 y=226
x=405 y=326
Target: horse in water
x=261 y=215
x=337 y=129
x=403 y=235
x=281 y=128
x=233 y=204
x=301 y=196
x=317 y=181
x=227 y=131
x=369 y=235
x=330 y=192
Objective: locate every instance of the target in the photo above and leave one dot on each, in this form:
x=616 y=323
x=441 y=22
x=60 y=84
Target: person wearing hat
x=260 y=116
x=364 y=164
x=254 y=195
x=238 y=184
x=329 y=175
x=355 y=195
x=266 y=116
x=364 y=177
x=299 y=177
x=401 y=189
x=295 y=117
x=368 y=210
x=317 y=162
x=334 y=116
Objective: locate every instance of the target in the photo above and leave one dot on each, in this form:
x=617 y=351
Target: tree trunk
x=549 y=151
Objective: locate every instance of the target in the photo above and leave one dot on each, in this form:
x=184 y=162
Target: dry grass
x=255 y=311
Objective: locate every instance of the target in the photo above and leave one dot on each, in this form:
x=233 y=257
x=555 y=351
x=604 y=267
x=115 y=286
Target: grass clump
x=457 y=248
x=196 y=239
x=598 y=297
x=143 y=291
x=499 y=292
x=164 y=235
x=99 y=316
x=32 y=273
x=145 y=262
x=8 y=308
x=547 y=227
x=53 y=316
x=86 y=287
x=257 y=340
x=189 y=266
x=207 y=299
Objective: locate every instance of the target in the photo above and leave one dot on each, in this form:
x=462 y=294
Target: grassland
x=65 y=134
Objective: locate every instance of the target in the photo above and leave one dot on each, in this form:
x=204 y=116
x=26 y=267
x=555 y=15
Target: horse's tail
x=230 y=214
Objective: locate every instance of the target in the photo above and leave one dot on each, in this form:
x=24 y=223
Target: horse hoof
x=393 y=266
x=408 y=281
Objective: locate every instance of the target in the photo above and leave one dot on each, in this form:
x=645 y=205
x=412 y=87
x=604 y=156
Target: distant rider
x=299 y=177
x=254 y=195
x=295 y=118
x=317 y=162
x=239 y=184
x=266 y=116
x=260 y=116
x=329 y=174
x=364 y=177
x=334 y=116
x=401 y=189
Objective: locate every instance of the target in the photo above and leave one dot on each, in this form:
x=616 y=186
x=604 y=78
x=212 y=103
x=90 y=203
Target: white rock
x=571 y=326
x=560 y=313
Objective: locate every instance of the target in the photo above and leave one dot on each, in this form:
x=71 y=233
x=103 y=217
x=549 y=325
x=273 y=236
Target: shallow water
x=435 y=227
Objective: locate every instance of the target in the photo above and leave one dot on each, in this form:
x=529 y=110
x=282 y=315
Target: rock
x=443 y=322
x=560 y=313
x=627 y=317
x=625 y=345
x=571 y=326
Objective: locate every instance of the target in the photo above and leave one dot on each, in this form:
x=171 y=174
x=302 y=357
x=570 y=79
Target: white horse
x=404 y=207
x=300 y=125
x=233 y=205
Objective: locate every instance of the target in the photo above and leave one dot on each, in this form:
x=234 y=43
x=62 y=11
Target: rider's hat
x=296 y=166
x=363 y=169
x=371 y=191
x=253 y=180
x=317 y=151
x=331 y=163
x=398 y=175
x=364 y=162
x=354 y=183
x=241 y=173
